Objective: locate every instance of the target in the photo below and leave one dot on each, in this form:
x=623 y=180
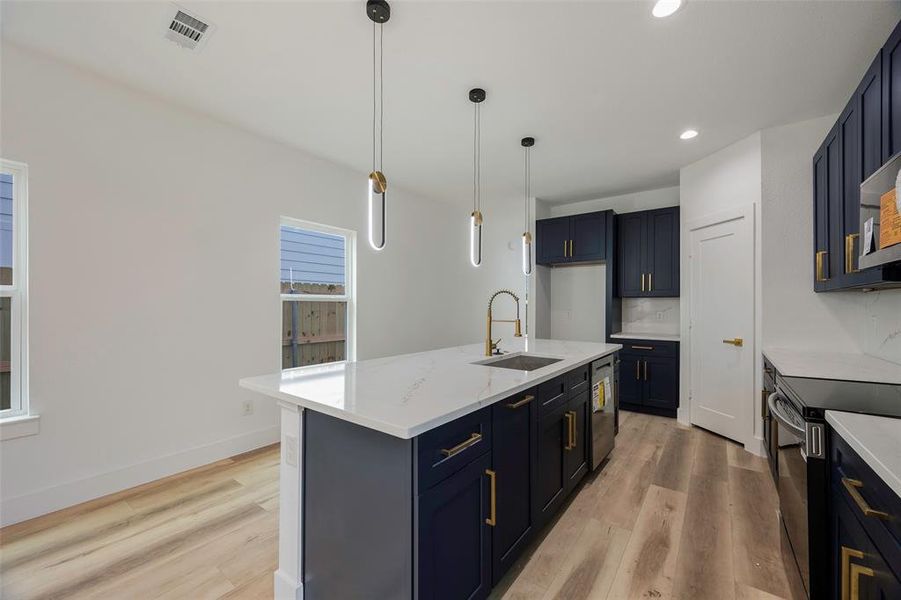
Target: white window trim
x=18 y=420
x=350 y=283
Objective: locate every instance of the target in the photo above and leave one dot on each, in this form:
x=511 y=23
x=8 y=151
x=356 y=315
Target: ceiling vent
x=187 y=30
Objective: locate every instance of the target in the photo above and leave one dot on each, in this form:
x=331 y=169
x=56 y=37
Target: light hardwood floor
x=676 y=513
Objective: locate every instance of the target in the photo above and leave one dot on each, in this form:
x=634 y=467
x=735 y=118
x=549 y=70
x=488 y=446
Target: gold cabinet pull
x=474 y=439
x=735 y=342
x=572 y=429
x=522 y=402
x=642 y=282
x=570 y=425
x=492 y=520
x=650 y=282
x=645 y=370
x=849 y=252
x=856 y=572
x=642 y=347
x=847 y=555
x=564 y=248
x=637 y=370
x=853 y=485
x=821 y=272
x=570 y=248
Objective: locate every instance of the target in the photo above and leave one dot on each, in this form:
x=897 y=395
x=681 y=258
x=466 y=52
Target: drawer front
x=649 y=348
x=578 y=380
x=445 y=450
x=551 y=395
x=866 y=493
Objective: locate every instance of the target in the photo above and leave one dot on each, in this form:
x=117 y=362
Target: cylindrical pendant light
x=476 y=96
x=527 y=143
x=378 y=12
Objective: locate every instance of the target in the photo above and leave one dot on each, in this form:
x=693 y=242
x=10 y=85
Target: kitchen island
x=425 y=475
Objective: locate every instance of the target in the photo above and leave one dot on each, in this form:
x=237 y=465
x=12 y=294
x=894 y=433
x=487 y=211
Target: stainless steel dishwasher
x=603 y=408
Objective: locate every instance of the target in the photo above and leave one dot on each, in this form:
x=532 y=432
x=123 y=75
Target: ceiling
x=603 y=87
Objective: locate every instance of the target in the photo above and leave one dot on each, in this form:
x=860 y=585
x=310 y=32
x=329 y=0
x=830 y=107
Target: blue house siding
x=311 y=257
x=6 y=220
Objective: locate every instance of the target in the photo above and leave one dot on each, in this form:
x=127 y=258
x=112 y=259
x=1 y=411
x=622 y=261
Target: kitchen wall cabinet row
x=446 y=514
x=648 y=253
x=574 y=239
x=649 y=377
x=865 y=136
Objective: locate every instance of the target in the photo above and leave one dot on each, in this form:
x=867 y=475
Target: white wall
x=729 y=178
x=154 y=279
x=578 y=303
x=624 y=203
x=793 y=315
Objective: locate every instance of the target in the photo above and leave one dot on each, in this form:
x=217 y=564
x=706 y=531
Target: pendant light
x=527 y=143
x=378 y=12
x=476 y=96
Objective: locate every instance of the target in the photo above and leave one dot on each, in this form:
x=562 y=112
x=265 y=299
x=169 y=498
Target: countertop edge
x=871 y=361
x=656 y=337
x=890 y=477
x=409 y=433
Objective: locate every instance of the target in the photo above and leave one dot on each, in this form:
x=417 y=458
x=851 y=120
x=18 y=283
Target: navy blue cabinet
x=866 y=135
x=866 y=535
x=514 y=460
x=575 y=239
x=575 y=456
x=454 y=536
x=648 y=253
x=649 y=377
x=551 y=483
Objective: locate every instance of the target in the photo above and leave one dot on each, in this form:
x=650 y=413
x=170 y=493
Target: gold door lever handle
x=735 y=342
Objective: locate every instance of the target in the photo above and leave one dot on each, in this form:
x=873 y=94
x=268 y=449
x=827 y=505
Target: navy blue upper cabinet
x=866 y=135
x=891 y=95
x=575 y=239
x=454 y=538
x=648 y=253
x=514 y=452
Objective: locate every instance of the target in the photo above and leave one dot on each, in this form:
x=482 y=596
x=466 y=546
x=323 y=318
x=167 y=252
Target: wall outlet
x=659 y=315
x=291 y=450
x=247 y=407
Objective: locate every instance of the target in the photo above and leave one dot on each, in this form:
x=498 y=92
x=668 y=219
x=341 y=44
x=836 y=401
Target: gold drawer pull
x=856 y=572
x=852 y=486
x=522 y=402
x=642 y=347
x=847 y=555
x=492 y=520
x=474 y=439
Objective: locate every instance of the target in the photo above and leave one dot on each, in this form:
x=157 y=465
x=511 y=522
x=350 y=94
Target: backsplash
x=640 y=315
x=881 y=312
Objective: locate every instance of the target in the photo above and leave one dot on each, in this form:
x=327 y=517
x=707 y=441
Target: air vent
x=187 y=30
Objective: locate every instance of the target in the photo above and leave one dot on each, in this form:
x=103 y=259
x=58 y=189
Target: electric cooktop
x=813 y=397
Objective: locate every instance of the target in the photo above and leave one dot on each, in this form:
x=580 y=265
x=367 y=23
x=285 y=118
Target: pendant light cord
x=528 y=186
x=477 y=159
x=378 y=96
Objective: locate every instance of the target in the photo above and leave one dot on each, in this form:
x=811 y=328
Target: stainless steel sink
x=519 y=362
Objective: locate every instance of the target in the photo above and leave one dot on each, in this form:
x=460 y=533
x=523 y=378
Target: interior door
x=721 y=312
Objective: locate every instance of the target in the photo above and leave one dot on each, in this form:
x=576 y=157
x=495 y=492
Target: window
x=317 y=289
x=13 y=289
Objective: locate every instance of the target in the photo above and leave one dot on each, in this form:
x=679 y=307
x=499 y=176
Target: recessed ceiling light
x=664 y=8
x=688 y=134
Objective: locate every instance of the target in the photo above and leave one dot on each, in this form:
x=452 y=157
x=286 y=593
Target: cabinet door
x=856 y=558
x=891 y=95
x=630 y=243
x=661 y=377
x=550 y=488
x=514 y=451
x=454 y=545
x=552 y=240
x=575 y=458
x=631 y=384
x=835 y=199
x=662 y=252
x=849 y=138
x=589 y=239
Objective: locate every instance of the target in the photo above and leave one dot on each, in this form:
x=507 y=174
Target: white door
x=721 y=334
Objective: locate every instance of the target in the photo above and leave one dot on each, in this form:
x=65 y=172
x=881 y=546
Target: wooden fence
x=313 y=332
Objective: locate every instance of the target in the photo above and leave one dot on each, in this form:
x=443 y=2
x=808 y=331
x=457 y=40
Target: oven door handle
x=782 y=419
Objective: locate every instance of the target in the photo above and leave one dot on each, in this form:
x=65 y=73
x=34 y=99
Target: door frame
x=752 y=443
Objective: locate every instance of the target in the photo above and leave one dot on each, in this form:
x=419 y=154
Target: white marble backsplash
x=882 y=326
x=651 y=315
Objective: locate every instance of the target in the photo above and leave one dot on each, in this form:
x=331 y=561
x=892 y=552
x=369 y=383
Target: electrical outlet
x=659 y=316
x=247 y=408
x=291 y=450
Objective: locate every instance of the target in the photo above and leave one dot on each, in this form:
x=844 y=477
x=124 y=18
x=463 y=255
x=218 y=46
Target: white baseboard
x=286 y=588
x=20 y=508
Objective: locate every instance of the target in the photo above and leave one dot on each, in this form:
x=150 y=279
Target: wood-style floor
x=676 y=513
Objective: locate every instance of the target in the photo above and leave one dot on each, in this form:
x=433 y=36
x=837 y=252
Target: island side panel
x=289 y=576
x=358 y=511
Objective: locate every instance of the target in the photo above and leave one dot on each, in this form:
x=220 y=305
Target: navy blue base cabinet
x=649 y=377
x=647 y=253
x=866 y=545
x=574 y=239
x=446 y=514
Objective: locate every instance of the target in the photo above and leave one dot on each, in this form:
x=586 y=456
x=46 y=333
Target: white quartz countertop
x=833 y=365
x=633 y=335
x=876 y=439
x=409 y=394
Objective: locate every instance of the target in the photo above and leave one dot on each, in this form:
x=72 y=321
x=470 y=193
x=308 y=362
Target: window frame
x=350 y=284
x=18 y=294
